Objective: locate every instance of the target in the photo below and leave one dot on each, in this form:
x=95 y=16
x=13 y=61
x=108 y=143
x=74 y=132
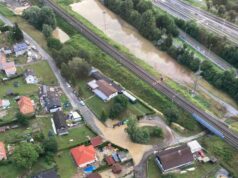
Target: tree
x=143 y=6
x=23 y=120
x=115 y=110
x=135 y=18
x=16 y=33
x=50 y=145
x=47 y=30
x=103 y=117
x=171 y=114
x=79 y=68
x=125 y=8
x=221 y=10
x=25 y=155
x=47 y=16
x=54 y=43
x=32 y=15
x=122 y=100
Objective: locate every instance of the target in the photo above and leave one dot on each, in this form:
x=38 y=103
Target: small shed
x=194 y=146
x=116 y=168
x=110 y=161
x=122 y=156
x=96 y=141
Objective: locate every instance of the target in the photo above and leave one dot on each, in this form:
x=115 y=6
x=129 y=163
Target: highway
x=230 y=137
x=187 y=12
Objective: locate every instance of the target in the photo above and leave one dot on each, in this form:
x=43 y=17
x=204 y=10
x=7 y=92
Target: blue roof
x=100 y=94
x=19 y=47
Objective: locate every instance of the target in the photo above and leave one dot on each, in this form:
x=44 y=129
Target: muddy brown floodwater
x=121 y=32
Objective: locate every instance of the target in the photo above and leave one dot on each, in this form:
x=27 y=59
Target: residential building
x=3 y=153
x=9 y=69
x=3 y=60
x=122 y=156
x=26 y=106
x=94 y=175
x=20 y=48
x=49 y=99
x=4 y=103
x=47 y=174
x=30 y=77
x=116 y=168
x=84 y=155
x=194 y=146
x=110 y=161
x=103 y=89
x=174 y=158
x=74 y=116
x=7 y=51
x=96 y=141
x=60 y=126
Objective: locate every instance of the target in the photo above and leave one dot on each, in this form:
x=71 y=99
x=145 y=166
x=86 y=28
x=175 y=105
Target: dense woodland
x=160 y=28
x=227 y=9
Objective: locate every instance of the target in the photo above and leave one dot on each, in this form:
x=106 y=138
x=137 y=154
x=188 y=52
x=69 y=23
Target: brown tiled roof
x=106 y=88
x=116 y=168
x=110 y=161
x=26 y=106
x=175 y=157
x=96 y=141
x=94 y=175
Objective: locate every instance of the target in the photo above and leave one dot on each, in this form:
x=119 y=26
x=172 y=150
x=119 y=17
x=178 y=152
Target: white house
x=30 y=77
x=74 y=116
x=4 y=103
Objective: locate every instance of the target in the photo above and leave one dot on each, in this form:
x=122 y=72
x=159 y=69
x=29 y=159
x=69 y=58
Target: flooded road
x=118 y=30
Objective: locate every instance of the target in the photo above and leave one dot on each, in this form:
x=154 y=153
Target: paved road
x=205 y=52
x=185 y=11
x=74 y=100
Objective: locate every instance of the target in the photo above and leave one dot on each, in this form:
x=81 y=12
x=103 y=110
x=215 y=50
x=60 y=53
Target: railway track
x=230 y=137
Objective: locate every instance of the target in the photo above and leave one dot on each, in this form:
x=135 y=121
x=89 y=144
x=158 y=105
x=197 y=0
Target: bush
x=47 y=30
x=54 y=43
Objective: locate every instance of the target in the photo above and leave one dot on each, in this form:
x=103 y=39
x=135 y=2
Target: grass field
x=152 y=168
x=43 y=72
x=65 y=164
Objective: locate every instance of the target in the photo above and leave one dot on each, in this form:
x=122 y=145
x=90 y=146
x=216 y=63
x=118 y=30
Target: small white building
x=129 y=96
x=194 y=146
x=30 y=77
x=4 y=103
x=74 y=116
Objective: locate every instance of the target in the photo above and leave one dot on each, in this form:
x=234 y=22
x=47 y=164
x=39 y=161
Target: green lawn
x=152 y=168
x=65 y=164
x=79 y=135
x=43 y=72
x=97 y=106
x=5 y=11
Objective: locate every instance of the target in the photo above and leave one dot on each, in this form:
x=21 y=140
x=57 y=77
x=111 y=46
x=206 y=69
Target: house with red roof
x=26 y=106
x=3 y=153
x=96 y=141
x=84 y=155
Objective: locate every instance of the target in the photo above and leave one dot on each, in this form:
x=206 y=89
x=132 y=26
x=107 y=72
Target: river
x=126 y=35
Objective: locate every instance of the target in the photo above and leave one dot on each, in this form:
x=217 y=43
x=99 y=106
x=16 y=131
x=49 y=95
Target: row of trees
x=41 y=18
x=142 y=134
x=150 y=23
x=224 y=8
x=219 y=45
x=15 y=33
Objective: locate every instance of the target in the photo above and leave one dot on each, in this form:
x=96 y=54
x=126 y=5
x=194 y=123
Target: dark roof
x=47 y=174
x=59 y=120
x=96 y=141
x=106 y=88
x=175 y=157
x=94 y=175
x=110 y=161
x=116 y=168
x=28 y=72
x=20 y=46
x=99 y=76
x=52 y=100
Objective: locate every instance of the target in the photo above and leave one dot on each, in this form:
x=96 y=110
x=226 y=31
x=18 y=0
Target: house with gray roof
x=20 y=48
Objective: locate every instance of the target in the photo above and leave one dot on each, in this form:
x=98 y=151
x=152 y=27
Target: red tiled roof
x=26 y=105
x=110 y=161
x=96 y=141
x=3 y=154
x=83 y=154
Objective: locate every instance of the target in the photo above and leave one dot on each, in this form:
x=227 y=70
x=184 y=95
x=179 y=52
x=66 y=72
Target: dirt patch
x=19 y=10
x=60 y=35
